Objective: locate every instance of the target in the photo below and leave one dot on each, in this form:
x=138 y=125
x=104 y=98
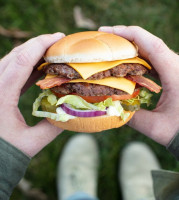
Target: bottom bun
x=91 y=124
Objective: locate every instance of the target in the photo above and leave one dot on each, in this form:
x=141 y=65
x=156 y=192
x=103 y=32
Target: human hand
x=162 y=123
x=15 y=70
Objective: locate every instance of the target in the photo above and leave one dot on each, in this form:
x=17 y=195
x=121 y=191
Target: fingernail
x=106 y=29
x=58 y=35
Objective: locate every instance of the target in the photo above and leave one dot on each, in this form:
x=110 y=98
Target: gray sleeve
x=165 y=184
x=173 y=146
x=13 y=164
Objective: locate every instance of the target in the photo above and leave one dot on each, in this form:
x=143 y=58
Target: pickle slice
x=47 y=106
x=128 y=106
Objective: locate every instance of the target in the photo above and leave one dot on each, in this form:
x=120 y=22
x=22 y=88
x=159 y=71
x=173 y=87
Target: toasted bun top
x=90 y=46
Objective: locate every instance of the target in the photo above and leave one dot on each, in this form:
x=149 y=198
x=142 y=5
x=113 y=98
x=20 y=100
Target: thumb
x=41 y=135
x=145 y=122
x=150 y=47
x=153 y=124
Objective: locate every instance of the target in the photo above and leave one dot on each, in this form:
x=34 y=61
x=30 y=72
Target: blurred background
x=21 y=20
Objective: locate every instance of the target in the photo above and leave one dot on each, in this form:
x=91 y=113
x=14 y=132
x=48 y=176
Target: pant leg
x=81 y=196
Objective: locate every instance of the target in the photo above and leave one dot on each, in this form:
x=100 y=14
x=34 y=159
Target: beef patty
x=86 y=89
x=64 y=70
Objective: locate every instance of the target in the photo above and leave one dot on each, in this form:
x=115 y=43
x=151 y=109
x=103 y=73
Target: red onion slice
x=81 y=113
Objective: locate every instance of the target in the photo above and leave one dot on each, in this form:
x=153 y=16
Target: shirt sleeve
x=13 y=164
x=173 y=146
x=165 y=184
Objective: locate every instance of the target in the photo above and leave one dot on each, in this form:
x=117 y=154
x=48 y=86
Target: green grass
x=48 y=16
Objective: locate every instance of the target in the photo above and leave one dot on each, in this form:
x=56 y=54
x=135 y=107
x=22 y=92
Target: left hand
x=16 y=70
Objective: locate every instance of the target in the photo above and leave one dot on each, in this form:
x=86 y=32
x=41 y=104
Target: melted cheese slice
x=50 y=76
x=118 y=83
x=42 y=65
x=88 y=69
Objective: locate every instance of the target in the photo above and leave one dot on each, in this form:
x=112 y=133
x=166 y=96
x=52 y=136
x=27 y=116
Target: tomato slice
x=97 y=99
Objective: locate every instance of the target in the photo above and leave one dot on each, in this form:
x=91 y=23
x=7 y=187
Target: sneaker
x=135 y=172
x=78 y=165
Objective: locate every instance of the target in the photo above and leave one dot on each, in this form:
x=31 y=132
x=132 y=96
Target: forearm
x=13 y=164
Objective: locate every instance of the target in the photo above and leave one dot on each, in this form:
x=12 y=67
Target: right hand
x=162 y=123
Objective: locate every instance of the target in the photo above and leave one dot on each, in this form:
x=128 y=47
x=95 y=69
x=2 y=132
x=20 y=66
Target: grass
x=48 y=16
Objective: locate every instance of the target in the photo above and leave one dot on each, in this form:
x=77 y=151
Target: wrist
x=16 y=145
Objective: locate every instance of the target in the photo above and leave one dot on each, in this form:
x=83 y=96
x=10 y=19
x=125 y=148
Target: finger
x=39 y=136
x=32 y=79
x=35 y=75
x=10 y=56
x=7 y=59
x=20 y=68
x=151 y=124
x=148 y=43
x=141 y=121
x=150 y=47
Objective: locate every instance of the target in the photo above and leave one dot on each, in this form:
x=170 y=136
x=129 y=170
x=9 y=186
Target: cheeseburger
x=94 y=81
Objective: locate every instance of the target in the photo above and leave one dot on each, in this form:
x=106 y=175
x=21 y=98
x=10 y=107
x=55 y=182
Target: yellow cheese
x=88 y=69
x=118 y=83
x=50 y=76
x=42 y=65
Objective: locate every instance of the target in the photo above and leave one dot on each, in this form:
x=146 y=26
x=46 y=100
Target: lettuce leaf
x=77 y=102
x=103 y=104
x=59 y=116
x=52 y=99
x=113 y=108
x=117 y=110
x=144 y=97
